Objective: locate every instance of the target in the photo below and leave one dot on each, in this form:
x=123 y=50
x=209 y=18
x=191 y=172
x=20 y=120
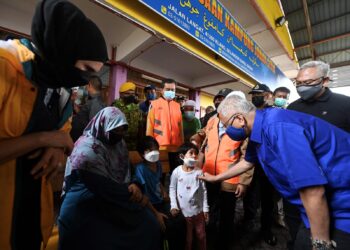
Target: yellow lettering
x=219 y=12
x=213 y=7
x=227 y=20
x=207 y=4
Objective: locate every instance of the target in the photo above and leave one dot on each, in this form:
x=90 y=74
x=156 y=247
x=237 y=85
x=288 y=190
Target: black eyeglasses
x=309 y=82
x=233 y=117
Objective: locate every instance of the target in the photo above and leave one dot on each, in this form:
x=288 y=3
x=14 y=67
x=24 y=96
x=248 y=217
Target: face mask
x=53 y=76
x=152 y=156
x=150 y=96
x=236 y=134
x=280 y=102
x=190 y=162
x=307 y=92
x=114 y=138
x=189 y=114
x=129 y=99
x=258 y=101
x=169 y=95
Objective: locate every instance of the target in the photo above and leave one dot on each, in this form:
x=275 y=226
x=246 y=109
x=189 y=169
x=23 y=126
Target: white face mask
x=152 y=156
x=190 y=162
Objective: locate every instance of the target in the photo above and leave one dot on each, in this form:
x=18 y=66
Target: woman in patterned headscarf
x=101 y=209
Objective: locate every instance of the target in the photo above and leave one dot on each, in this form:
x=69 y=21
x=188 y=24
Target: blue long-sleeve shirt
x=297 y=151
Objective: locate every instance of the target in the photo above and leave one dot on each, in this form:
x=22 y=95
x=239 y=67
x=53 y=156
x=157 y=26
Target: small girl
x=189 y=195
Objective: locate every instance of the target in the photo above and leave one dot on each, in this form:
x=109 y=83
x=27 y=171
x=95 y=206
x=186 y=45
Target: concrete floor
x=245 y=239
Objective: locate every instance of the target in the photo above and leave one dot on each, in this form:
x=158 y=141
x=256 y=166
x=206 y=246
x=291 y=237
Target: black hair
x=281 y=89
x=165 y=81
x=184 y=148
x=96 y=83
x=209 y=107
x=147 y=142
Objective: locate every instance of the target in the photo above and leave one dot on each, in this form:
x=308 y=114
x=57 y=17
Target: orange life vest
x=167 y=122
x=222 y=154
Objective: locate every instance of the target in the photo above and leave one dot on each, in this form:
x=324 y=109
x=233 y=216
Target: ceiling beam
x=300 y=9
x=323 y=40
x=217 y=84
x=339 y=64
x=13 y=32
x=309 y=29
x=320 y=22
x=325 y=53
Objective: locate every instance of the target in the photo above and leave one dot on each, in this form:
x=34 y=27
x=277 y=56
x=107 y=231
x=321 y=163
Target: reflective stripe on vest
x=167 y=122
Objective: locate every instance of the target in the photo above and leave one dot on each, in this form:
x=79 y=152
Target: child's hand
x=206 y=217
x=144 y=201
x=136 y=194
x=160 y=219
x=166 y=197
x=174 y=212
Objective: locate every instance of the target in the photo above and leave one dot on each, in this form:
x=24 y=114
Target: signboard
x=209 y=22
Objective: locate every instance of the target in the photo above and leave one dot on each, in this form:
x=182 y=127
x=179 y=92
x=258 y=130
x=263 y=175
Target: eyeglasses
x=309 y=82
x=233 y=117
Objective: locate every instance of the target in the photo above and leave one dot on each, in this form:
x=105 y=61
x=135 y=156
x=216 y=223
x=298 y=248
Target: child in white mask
x=188 y=195
x=148 y=174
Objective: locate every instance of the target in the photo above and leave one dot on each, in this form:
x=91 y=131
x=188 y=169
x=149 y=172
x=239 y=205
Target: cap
x=127 y=86
x=149 y=87
x=190 y=103
x=260 y=88
x=223 y=92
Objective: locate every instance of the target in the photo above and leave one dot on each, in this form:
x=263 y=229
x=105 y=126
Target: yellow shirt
x=17 y=97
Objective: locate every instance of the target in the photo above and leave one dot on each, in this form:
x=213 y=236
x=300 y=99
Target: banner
x=209 y=22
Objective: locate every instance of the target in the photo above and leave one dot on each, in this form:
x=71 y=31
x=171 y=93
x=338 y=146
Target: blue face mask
x=236 y=134
x=150 y=96
x=280 y=102
x=169 y=95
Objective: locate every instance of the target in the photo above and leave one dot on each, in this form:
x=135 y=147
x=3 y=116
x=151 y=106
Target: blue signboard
x=211 y=23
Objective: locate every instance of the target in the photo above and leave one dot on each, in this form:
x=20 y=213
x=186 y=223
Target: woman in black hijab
x=67 y=49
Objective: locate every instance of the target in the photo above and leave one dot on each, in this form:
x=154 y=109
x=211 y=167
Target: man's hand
x=160 y=218
x=51 y=162
x=57 y=139
x=316 y=206
x=240 y=190
x=174 y=212
x=136 y=194
x=208 y=177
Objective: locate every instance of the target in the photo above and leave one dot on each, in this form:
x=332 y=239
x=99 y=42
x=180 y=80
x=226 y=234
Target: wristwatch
x=323 y=245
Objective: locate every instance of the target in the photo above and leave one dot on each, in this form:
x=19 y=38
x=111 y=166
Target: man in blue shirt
x=305 y=158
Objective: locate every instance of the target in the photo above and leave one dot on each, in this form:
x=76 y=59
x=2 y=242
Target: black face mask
x=258 y=101
x=74 y=76
x=129 y=99
x=47 y=75
x=114 y=139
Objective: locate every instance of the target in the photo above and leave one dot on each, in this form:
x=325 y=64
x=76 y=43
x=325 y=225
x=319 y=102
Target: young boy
x=188 y=195
x=148 y=174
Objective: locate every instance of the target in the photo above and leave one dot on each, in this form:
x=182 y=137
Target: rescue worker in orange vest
x=164 y=122
x=222 y=153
